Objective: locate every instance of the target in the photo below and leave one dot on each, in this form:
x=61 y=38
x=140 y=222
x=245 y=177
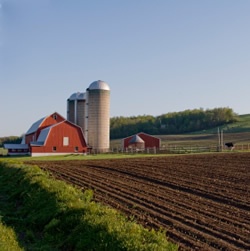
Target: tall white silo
x=97 y=122
x=76 y=109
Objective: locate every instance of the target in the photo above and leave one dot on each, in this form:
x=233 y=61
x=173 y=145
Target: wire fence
x=179 y=149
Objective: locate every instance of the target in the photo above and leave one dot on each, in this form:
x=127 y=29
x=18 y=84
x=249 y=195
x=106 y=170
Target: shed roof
x=136 y=139
x=16 y=146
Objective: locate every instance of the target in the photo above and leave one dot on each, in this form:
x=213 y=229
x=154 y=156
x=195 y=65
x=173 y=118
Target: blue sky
x=157 y=56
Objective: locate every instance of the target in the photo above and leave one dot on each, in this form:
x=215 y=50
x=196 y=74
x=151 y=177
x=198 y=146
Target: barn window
x=54 y=116
x=65 y=141
x=54 y=148
x=76 y=148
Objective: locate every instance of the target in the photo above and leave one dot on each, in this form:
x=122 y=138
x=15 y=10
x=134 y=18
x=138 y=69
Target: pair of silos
x=91 y=111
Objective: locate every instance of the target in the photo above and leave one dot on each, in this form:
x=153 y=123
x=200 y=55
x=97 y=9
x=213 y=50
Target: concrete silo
x=76 y=105
x=97 y=122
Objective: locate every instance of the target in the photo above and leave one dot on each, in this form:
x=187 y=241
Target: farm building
x=91 y=111
x=136 y=142
x=141 y=141
x=51 y=135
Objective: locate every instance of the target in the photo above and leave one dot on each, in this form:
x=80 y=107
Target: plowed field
x=202 y=201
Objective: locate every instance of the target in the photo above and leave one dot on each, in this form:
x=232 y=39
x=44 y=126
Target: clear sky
x=157 y=56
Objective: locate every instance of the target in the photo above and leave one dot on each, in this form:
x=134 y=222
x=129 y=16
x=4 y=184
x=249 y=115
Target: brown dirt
x=202 y=201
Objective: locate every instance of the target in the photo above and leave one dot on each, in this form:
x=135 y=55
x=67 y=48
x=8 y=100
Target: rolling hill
x=237 y=132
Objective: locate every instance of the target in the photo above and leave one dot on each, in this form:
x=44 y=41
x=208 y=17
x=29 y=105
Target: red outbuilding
x=141 y=140
x=51 y=135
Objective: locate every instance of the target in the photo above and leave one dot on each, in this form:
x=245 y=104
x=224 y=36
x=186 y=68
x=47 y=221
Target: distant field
x=204 y=139
x=237 y=132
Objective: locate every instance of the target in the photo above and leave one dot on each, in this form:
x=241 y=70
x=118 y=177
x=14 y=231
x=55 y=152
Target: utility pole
x=220 y=140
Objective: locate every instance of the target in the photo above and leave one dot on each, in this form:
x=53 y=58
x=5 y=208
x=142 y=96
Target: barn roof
x=136 y=139
x=44 y=134
x=36 y=143
x=42 y=137
x=35 y=126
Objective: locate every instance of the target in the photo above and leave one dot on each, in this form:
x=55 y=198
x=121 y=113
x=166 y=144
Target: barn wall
x=149 y=140
x=59 y=149
x=55 y=139
x=50 y=121
x=40 y=154
x=30 y=137
x=18 y=152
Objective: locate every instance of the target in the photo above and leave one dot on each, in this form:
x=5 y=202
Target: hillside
x=237 y=132
x=240 y=126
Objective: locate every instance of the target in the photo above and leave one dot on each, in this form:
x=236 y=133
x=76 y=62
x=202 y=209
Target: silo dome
x=99 y=85
x=77 y=96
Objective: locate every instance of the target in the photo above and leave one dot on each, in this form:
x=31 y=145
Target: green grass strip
x=8 y=239
x=49 y=215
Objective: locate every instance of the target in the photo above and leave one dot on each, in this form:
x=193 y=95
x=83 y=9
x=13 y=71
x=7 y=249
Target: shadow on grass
x=43 y=222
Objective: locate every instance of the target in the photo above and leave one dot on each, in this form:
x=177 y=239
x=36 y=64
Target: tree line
x=10 y=140
x=171 y=123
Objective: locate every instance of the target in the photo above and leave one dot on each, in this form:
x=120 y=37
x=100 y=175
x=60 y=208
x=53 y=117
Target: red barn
x=51 y=135
x=141 y=139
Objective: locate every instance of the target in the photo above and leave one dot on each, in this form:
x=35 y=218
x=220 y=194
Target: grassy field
x=79 y=157
x=205 y=139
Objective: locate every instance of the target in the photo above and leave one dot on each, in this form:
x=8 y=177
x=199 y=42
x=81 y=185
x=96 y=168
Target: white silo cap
x=77 y=96
x=99 y=85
